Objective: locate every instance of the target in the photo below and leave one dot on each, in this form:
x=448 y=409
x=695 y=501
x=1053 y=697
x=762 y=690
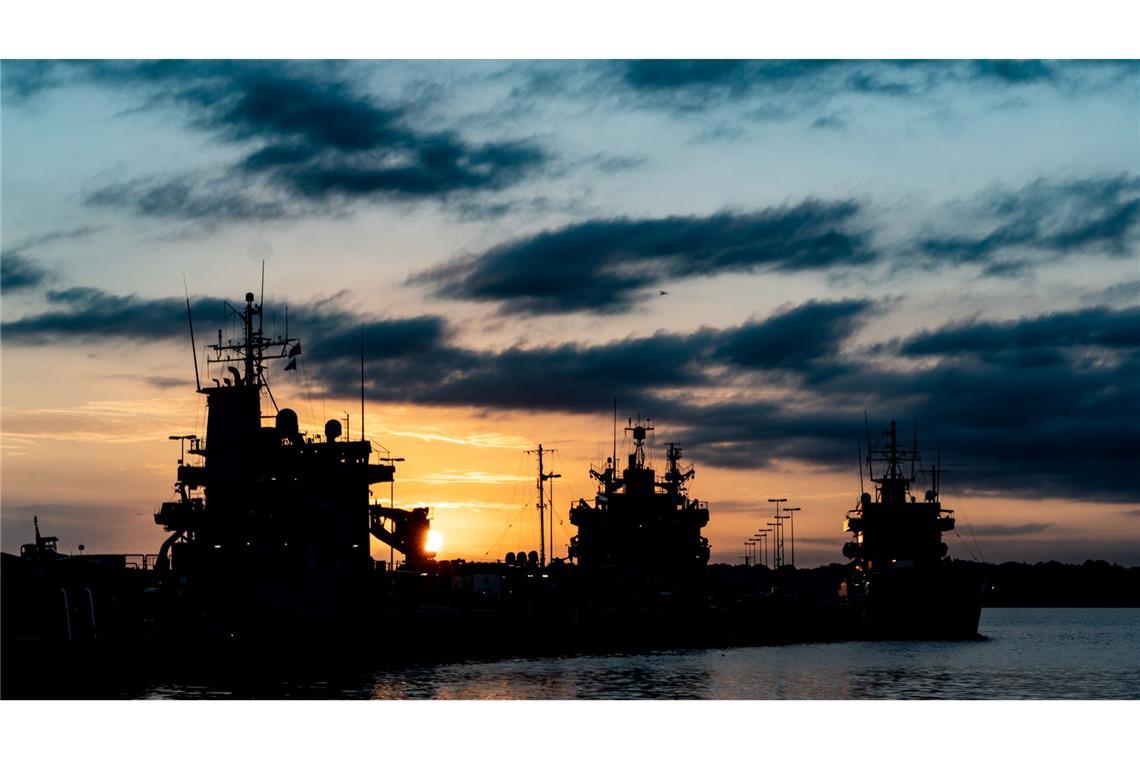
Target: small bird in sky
x=662 y=292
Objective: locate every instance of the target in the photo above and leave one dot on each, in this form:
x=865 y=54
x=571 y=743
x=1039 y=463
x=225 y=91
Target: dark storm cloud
x=796 y=338
x=584 y=378
x=607 y=265
x=1005 y=421
x=21 y=80
x=718 y=76
x=562 y=377
x=1014 y=71
x=785 y=89
x=1017 y=426
x=602 y=265
x=90 y=314
x=1045 y=218
x=418 y=359
x=1096 y=327
x=314 y=140
x=19 y=272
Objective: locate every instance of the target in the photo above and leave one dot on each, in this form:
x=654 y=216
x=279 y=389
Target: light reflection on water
x=1028 y=654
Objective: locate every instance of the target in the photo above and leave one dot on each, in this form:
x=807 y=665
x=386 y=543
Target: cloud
x=1000 y=529
x=1015 y=72
x=19 y=272
x=1044 y=219
x=1120 y=293
x=210 y=201
x=70 y=233
x=420 y=360
x=164 y=382
x=833 y=121
x=1099 y=327
x=786 y=387
x=807 y=337
x=602 y=265
x=90 y=315
x=1015 y=423
x=314 y=140
x=787 y=88
x=606 y=265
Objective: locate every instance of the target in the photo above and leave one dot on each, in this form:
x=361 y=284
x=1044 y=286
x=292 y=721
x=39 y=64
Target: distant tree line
x=1094 y=583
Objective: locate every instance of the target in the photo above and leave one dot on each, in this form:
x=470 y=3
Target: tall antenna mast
x=542 y=478
x=860 y=450
x=261 y=301
x=551 y=476
x=362 y=382
x=541 y=508
x=190 y=319
x=613 y=459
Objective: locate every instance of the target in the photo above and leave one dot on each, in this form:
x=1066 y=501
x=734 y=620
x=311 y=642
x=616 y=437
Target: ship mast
x=251 y=349
x=542 y=506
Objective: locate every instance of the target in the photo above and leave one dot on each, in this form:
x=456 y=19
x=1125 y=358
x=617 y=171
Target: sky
x=752 y=253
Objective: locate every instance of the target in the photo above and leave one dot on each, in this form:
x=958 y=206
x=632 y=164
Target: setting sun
x=434 y=541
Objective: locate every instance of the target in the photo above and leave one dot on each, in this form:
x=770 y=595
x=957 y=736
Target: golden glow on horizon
x=434 y=542
x=96 y=462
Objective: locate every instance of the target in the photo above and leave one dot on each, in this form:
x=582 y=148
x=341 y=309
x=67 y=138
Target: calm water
x=1027 y=654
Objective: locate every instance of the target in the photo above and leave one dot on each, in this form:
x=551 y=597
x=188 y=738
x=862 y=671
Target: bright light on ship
x=434 y=541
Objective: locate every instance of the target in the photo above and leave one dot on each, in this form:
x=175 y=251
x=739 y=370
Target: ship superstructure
x=900 y=576
x=642 y=532
x=893 y=528
x=274 y=522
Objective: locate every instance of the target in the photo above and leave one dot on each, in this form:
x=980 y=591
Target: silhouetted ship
x=273 y=528
x=642 y=536
x=901 y=581
x=269 y=549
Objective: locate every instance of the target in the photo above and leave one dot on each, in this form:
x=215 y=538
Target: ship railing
x=140 y=561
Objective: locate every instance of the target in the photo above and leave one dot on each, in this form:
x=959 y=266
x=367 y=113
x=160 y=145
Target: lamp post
x=182 y=450
x=780 y=527
x=775 y=529
x=391 y=502
x=751 y=544
x=792 y=517
x=778 y=540
x=762 y=534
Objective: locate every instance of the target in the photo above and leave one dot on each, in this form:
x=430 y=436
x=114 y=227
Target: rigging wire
x=570 y=488
x=514 y=493
x=509 y=526
x=956 y=493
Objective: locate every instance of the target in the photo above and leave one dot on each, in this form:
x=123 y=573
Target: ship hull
x=939 y=602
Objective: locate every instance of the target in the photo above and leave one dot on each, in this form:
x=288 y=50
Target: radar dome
x=286 y=423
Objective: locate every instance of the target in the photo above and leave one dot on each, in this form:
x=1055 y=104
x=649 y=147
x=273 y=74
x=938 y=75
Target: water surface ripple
x=1027 y=654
